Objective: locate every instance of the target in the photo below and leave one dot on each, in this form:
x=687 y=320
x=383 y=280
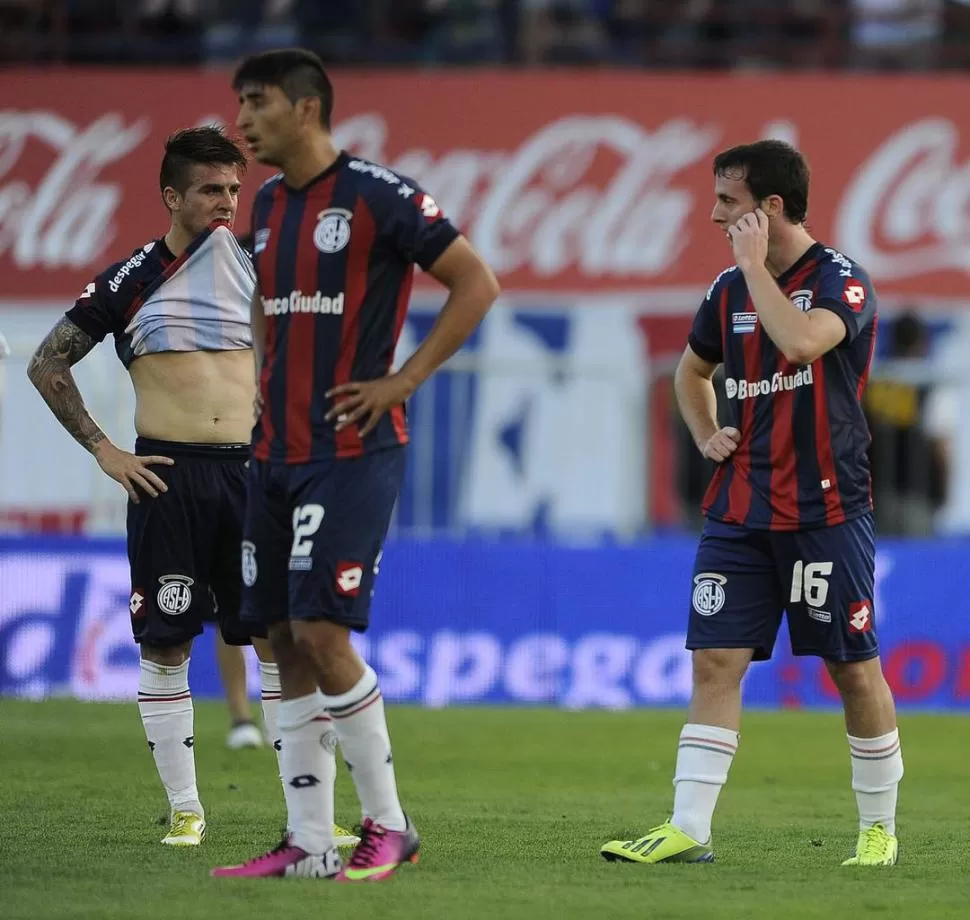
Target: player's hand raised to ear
x=722 y=444
x=369 y=399
x=749 y=240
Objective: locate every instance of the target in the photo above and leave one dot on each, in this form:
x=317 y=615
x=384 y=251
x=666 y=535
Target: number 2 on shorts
x=306 y=522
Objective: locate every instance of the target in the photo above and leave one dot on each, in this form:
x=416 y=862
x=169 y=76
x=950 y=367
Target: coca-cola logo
x=906 y=211
x=67 y=218
x=596 y=193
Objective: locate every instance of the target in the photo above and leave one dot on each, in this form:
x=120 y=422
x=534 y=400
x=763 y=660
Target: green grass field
x=512 y=806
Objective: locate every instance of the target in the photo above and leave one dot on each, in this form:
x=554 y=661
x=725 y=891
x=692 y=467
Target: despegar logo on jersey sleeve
x=777 y=383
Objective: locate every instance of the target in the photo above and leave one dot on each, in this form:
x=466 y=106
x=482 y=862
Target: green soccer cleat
x=187 y=830
x=876 y=847
x=665 y=843
x=343 y=838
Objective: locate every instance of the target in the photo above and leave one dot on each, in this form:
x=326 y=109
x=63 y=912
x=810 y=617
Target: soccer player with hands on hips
x=336 y=239
x=789 y=512
x=178 y=309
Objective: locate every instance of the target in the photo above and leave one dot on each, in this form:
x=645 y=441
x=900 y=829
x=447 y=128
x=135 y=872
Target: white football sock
x=704 y=756
x=877 y=768
x=308 y=770
x=358 y=718
x=269 y=679
x=166 y=711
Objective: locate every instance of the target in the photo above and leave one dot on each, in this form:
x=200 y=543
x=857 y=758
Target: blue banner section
x=499 y=623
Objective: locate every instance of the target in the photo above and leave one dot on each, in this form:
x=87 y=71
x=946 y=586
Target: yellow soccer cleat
x=876 y=847
x=665 y=843
x=187 y=830
x=344 y=838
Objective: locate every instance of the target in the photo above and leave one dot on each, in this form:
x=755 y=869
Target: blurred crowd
x=854 y=34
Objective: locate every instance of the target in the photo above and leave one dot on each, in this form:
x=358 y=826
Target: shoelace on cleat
x=284 y=844
x=367 y=849
x=180 y=824
x=873 y=843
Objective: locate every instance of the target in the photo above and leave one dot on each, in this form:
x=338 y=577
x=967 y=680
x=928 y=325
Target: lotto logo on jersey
x=855 y=295
x=428 y=207
x=349 y=577
x=860 y=617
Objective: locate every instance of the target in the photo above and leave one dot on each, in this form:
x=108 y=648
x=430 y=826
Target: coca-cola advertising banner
x=566 y=182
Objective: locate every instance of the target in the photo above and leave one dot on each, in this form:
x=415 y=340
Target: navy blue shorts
x=744 y=580
x=183 y=547
x=313 y=536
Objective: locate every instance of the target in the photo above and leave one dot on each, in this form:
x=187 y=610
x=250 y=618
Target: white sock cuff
x=361 y=695
x=881 y=748
x=269 y=680
x=294 y=714
x=710 y=737
x=877 y=763
x=704 y=754
x=162 y=679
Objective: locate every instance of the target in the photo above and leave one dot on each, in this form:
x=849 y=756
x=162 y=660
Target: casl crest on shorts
x=708 y=596
x=333 y=229
x=249 y=569
x=174 y=596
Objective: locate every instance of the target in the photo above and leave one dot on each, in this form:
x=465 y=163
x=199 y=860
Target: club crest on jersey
x=802 y=300
x=743 y=322
x=332 y=232
x=260 y=240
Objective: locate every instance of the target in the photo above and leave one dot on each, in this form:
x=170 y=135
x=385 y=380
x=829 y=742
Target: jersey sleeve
x=417 y=229
x=705 y=337
x=97 y=311
x=849 y=294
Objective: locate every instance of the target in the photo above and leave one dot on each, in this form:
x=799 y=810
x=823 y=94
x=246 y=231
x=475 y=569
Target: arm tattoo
x=50 y=371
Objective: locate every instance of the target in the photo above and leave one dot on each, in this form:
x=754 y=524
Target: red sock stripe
x=322 y=719
x=267 y=697
x=875 y=752
x=358 y=707
x=145 y=698
x=721 y=744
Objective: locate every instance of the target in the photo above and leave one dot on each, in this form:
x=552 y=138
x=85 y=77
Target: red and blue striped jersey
x=335 y=262
x=803 y=457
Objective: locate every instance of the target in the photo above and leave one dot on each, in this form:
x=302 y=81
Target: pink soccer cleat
x=285 y=860
x=380 y=852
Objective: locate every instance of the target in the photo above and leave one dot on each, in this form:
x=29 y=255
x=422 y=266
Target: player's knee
x=856 y=678
x=170 y=656
x=325 y=644
x=719 y=667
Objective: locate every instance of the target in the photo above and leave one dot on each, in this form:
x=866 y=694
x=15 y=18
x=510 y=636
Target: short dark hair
x=296 y=71
x=208 y=145
x=770 y=168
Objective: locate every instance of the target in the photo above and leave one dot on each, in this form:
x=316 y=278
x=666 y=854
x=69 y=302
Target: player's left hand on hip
x=749 y=240
x=369 y=398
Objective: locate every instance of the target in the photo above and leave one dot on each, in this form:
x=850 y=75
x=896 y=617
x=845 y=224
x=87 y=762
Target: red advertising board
x=567 y=182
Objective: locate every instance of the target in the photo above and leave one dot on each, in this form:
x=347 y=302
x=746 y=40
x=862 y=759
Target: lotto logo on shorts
x=349 y=577
x=709 y=596
x=136 y=606
x=860 y=617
